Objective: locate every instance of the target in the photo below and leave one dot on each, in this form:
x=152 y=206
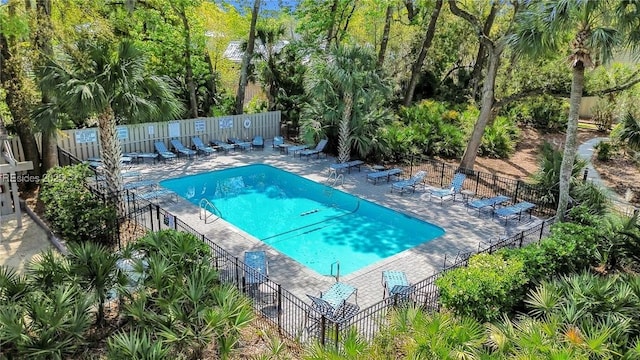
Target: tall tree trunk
x=385 y=36
x=20 y=101
x=344 y=131
x=416 y=69
x=42 y=41
x=570 y=144
x=486 y=110
x=244 y=71
x=191 y=86
x=332 y=23
x=111 y=154
x=476 y=73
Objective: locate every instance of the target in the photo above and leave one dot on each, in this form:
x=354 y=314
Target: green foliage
x=542 y=112
x=592 y=196
x=73 y=211
x=604 y=151
x=607 y=306
x=487 y=287
x=569 y=248
x=500 y=138
x=547 y=177
x=604 y=114
x=630 y=133
x=255 y=106
x=182 y=300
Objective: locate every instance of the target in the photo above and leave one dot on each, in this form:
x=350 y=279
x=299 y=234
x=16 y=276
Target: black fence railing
x=295 y=318
x=484 y=185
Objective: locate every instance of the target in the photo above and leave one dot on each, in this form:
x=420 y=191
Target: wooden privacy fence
x=85 y=143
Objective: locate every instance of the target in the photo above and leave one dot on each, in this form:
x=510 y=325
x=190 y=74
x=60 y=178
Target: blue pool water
x=314 y=224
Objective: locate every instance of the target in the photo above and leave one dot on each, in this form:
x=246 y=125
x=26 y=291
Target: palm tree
x=596 y=29
x=269 y=73
x=346 y=95
x=96 y=79
x=95 y=268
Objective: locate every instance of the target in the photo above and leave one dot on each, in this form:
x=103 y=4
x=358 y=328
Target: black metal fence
x=293 y=317
x=482 y=184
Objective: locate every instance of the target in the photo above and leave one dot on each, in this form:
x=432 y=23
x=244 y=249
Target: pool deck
x=464 y=230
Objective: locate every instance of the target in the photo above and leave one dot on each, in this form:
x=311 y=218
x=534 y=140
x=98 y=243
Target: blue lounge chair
x=223 y=145
x=346 y=165
x=277 y=141
x=181 y=149
x=375 y=176
x=201 y=147
x=508 y=212
x=395 y=284
x=257 y=142
x=410 y=183
x=319 y=149
x=162 y=150
x=452 y=191
x=296 y=149
x=239 y=144
x=491 y=202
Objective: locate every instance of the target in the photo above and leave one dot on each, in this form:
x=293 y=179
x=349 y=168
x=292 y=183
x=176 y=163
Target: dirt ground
x=524 y=161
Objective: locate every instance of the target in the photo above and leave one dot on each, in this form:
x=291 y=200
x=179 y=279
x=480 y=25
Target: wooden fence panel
x=85 y=143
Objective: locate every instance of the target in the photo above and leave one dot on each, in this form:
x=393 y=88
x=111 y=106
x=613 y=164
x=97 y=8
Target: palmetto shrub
x=73 y=211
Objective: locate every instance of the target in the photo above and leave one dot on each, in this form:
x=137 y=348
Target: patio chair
x=256 y=273
x=181 y=149
x=508 y=212
x=239 y=144
x=277 y=141
x=223 y=145
x=333 y=303
x=396 y=285
x=346 y=165
x=491 y=202
x=375 y=176
x=258 y=267
x=162 y=150
x=319 y=149
x=201 y=147
x=257 y=142
x=452 y=191
x=410 y=183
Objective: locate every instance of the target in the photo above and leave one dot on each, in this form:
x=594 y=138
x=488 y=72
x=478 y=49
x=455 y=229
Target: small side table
x=284 y=148
x=467 y=194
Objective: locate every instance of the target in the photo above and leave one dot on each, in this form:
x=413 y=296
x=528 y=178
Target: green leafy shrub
x=489 y=286
x=73 y=211
x=604 y=114
x=604 y=151
x=591 y=196
x=499 y=139
x=542 y=112
x=569 y=248
x=547 y=177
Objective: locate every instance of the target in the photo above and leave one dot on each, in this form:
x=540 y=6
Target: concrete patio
x=464 y=230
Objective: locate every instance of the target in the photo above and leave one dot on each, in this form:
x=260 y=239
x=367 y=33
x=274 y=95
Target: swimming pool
x=314 y=224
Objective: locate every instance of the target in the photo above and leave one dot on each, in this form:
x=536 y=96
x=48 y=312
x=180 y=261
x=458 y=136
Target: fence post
x=585 y=175
x=279 y=308
x=477 y=183
x=322 y=330
x=442 y=176
x=521 y=239
x=541 y=230
x=515 y=197
x=238 y=275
